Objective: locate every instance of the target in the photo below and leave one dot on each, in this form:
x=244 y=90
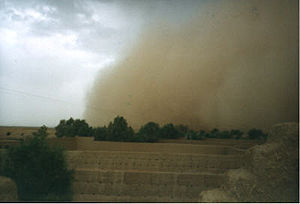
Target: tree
x=214 y=133
x=148 y=133
x=168 y=131
x=119 y=130
x=224 y=135
x=42 y=132
x=72 y=128
x=40 y=171
x=101 y=134
x=202 y=133
x=237 y=134
x=191 y=135
x=256 y=134
x=182 y=129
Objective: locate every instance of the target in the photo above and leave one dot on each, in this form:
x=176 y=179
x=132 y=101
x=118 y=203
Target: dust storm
x=233 y=64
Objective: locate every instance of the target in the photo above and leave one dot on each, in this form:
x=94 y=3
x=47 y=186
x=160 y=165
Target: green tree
x=119 y=130
x=182 y=129
x=255 y=134
x=101 y=134
x=148 y=133
x=42 y=132
x=214 y=133
x=224 y=135
x=191 y=135
x=237 y=134
x=40 y=171
x=168 y=131
x=72 y=128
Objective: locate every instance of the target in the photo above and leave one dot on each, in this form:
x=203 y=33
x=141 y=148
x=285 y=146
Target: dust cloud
x=234 y=64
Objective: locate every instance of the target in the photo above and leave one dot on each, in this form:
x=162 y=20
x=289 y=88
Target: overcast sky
x=50 y=51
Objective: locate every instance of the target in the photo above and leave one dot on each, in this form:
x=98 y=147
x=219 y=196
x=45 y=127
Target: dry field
x=17 y=131
x=167 y=171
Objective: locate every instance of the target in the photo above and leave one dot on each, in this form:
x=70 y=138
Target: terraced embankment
x=160 y=172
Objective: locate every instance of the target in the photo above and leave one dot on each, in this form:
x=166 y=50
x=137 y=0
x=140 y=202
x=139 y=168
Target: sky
x=50 y=52
x=192 y=61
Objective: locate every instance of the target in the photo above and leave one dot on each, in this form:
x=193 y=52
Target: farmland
x=169 y=170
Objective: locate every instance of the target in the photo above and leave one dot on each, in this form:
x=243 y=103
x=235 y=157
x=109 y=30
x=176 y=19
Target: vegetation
x=148 y=133
x=72 y=128
x=256 y=134
x=118 y=130
x=192 y=135
x=8 y=134
x=101 y=133
x=182 y=129
x=168 y=131
x=40 y=171
x=236 y=134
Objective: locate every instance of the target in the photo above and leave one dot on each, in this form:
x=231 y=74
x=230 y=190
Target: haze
x=233 y=64
x=225 y=64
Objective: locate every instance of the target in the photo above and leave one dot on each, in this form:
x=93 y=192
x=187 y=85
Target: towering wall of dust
x=234 y=65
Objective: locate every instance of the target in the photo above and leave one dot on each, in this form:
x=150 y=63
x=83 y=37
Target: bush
x=8 y=134
x=39 y=171
x=147 y=133
x=168 y=131
x=72 y=128
x=119 y=130
x=256 y=134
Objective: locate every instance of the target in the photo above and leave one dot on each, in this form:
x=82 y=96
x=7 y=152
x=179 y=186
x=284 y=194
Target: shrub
x=168 y=131
x=255 y=134
x=40 y=171
x=8 y=134
x=119 y=130
x=72 y=128
x=148 y=133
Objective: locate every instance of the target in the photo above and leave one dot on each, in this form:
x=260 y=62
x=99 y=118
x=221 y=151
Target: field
x=167 y=171
x=17 y=131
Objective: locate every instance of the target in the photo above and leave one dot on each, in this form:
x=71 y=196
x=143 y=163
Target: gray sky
x=51 y=51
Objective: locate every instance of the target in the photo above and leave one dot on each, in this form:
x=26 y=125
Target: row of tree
x=118 y=130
